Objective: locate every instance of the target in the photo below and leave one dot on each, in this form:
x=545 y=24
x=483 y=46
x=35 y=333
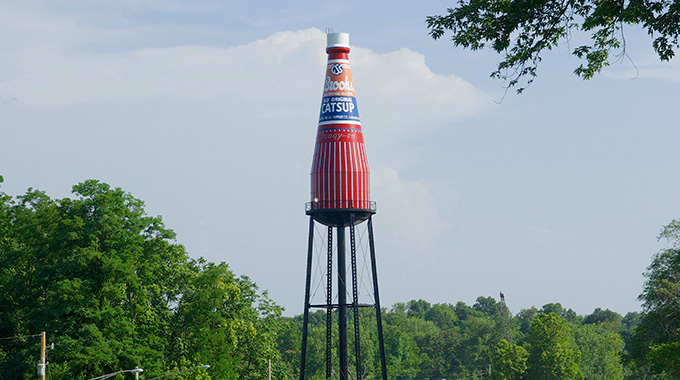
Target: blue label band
x=339 y=108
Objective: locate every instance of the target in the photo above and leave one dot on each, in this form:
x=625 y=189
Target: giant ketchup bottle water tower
x=340 y=200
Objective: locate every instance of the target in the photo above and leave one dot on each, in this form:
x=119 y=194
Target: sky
x=207 y=111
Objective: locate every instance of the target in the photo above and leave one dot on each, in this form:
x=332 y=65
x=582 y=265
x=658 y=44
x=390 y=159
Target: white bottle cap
x=337 y=40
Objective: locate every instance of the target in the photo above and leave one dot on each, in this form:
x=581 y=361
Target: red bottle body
x=340 y=177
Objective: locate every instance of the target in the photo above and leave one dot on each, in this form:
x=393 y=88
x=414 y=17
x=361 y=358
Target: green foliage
x=600 y=352
x=523 y=30
x=551 y=356
x=655 y=342
x=509 y=361
x=464 y=342
x=443 y=316
x=424 y=340
x=479 y=336
x=112 y=291
x=557 y=309
x=487 y=306
x=524 y=318
x=402 y=353
x=418 y=308
x=664 y=358
x=442 y=353
x=608 y=319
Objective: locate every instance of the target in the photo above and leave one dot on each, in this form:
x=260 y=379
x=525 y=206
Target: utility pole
x=42 y=364
x=136 y=373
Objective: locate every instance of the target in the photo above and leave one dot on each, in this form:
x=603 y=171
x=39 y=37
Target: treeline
x=114 y=291
x=446 y=341
x=424 y=341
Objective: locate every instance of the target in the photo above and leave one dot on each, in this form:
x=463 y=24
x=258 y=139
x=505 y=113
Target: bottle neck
x=337 y=52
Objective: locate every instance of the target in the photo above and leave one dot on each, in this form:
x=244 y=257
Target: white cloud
x=410 y=213
x=262 y=71
x=407 y=95
x=669 y=71
x=398 y=88
x=645 y=66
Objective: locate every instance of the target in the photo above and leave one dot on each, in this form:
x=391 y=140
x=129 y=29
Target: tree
x=288 y=338
x=655 y=342
x=600 y=352
x=402 y=353
x=522 y=30
x=568 y=314
x=524 y=319
x=488 y=306
x=610 y=320
x=479 y=336
x=222 y=320
x=442 y=315
x=88 y=271
x=464 y=312
x=113 y=290
x=551 y=356
x=509 y=361
x=441 y=352
x=418 y=309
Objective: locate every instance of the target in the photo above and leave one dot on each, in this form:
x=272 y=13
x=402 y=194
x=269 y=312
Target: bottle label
x=338 y=104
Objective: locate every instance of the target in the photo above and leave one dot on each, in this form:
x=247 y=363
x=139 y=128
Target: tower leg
x=329 y=304
x=305 y=318
x=378 y=315
x=355 y=298
x=342 y=305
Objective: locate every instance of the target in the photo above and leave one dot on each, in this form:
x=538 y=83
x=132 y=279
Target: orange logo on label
x=338 y=80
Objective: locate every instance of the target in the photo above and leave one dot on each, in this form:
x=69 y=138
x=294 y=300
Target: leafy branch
x=522 y=30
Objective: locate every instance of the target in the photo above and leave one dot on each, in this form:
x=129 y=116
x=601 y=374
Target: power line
x=20 y=337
